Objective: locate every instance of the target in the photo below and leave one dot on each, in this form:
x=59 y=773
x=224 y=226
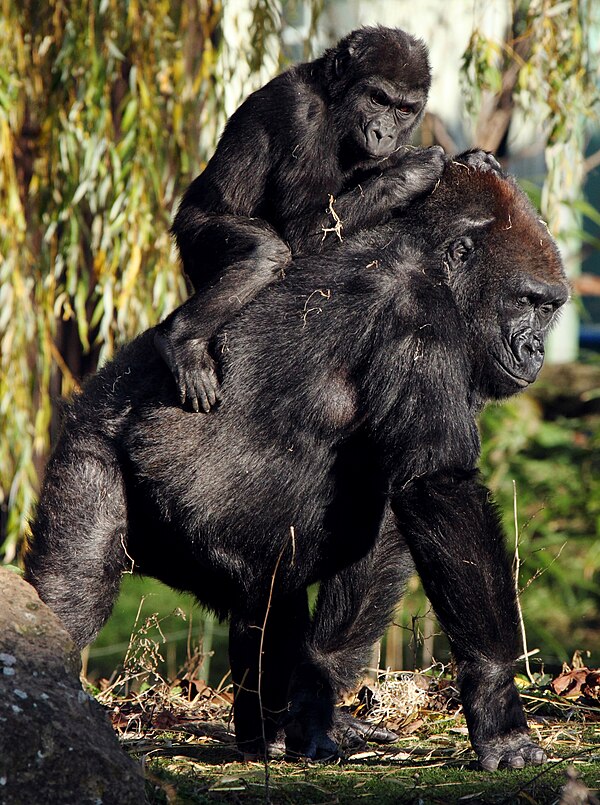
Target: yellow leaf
x=130 y=275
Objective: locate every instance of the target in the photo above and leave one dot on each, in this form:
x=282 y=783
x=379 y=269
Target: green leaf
x=586 y=209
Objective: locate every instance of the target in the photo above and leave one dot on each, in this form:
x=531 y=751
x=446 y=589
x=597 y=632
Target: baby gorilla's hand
x=415 y=174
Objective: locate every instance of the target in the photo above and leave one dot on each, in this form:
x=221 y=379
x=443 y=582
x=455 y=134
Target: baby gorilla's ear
x=342 y=61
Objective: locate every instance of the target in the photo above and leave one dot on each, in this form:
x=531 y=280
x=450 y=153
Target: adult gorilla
x=350 y=388
x=333 y=128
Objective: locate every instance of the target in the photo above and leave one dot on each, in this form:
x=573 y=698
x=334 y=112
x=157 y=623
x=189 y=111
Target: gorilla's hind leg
x=76 y=554
x=261 y=668
x=353 y=609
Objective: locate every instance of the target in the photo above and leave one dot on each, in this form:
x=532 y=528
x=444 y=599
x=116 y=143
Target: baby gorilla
x=344 y=452
x=329 y=134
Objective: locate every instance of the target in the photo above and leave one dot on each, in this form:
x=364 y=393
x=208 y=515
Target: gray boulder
x=56 y=744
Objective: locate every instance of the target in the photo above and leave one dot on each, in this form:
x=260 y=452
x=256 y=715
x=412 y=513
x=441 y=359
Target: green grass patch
x=414 y=771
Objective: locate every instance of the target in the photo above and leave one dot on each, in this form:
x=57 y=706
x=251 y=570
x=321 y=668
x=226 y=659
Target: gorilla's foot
x=351 y=730
x=511 y=751
x=255 y=750
x=312 y=743
x=480 y=160
x=347 y=733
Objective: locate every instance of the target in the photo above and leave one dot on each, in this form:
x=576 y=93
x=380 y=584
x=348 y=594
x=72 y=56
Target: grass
x=182 y=734
x=437 y=769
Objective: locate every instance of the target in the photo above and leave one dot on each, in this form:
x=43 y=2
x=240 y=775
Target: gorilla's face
x=509 y=283
x=527 y=311
x=379 y=92
x=384 y=117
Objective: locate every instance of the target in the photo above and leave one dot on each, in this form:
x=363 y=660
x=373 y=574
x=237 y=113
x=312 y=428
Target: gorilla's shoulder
x=293 y=93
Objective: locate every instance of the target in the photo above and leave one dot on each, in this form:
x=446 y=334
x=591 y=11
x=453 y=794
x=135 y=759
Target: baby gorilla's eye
x=379 y=98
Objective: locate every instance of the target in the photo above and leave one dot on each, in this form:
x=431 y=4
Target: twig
x=133 y=631
x=517 y=565
x=591 y=162
x=326 y=294
x=62 y=364
x=541 y=570
x=260 y=656
x=131 y=559
x=338 y=225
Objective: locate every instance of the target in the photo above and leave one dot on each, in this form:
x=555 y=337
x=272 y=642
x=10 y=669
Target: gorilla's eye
x=379 y=98
x=405 y=111
x=523 y=301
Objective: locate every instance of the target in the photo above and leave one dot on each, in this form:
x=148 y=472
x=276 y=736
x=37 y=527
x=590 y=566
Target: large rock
x=56 y=744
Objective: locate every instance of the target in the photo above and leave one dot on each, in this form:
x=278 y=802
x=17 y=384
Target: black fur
x=345 y=449
x=335 y=127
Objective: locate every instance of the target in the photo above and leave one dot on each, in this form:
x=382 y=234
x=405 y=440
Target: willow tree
x=107 y=109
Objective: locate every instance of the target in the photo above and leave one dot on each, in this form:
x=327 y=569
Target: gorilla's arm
x=257 y=256
x=455 y=537
x=390 y=189
x=222 y=213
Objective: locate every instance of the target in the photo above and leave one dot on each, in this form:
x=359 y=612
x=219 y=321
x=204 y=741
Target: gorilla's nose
x=528 y=347
x=380 y=140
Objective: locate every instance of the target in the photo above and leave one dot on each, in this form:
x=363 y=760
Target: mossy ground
x=438 y=768
x=182 y=733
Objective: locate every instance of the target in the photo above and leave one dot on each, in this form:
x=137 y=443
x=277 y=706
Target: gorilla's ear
x=346 y=51
x=342 y=60
x=458 y=252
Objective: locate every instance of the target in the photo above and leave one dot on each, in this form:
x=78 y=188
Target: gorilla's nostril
x=528 y=345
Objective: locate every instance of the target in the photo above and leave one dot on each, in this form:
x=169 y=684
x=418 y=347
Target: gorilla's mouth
x=518 y=379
